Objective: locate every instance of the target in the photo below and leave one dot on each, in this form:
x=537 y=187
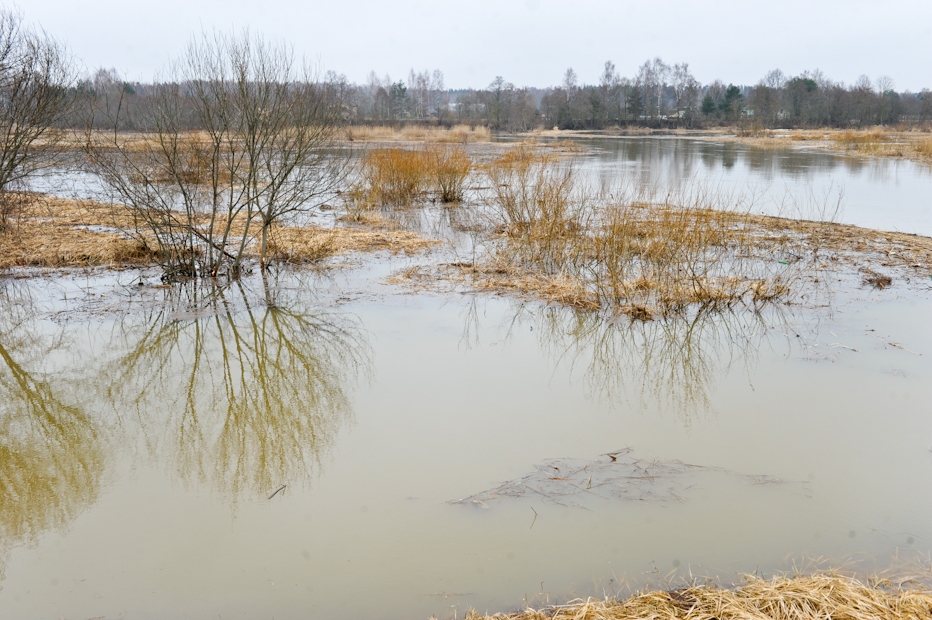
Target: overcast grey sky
x=528 y=42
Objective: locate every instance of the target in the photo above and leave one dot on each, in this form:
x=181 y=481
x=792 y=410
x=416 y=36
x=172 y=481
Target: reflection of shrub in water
x=668 y=364
x=51 y=453
x=244 y=398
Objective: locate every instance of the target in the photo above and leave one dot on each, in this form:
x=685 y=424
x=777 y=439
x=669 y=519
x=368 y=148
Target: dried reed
x=449 y=168
x=394 y=176
x=821 y=596
x=629 y=250
x=304 y=244
x=460 y=134
x=55 y=232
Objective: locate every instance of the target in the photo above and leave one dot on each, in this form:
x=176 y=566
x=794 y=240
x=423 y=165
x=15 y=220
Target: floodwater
x=882 y=193
x=297 y=448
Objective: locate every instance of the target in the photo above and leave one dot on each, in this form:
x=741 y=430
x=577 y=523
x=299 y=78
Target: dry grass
x=449 y=168
x=876 y=141
x=822 y=596
x=854 y=139
x=538 y=210
x=924 y=148
x=644 y=254
x=400 y=177
x=53 y=232
x=629 y=251
x=56 y=232
x=307 y=244
x=458 y=134
x=394 y=176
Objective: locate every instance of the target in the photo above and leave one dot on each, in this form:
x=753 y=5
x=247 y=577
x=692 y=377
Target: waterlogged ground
x=882 y=193
x=298 y=447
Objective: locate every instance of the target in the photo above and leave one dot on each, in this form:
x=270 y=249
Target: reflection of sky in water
x=888 y=194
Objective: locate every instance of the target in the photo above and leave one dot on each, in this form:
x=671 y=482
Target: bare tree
x=238 y=138
x=884 y=89
x=610 y=94
x=686 y=89
x=652 y=79
x=36 y=72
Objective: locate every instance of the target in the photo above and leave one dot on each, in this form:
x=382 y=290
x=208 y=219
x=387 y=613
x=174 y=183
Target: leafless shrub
x=36 y=72
x=10 y=206
x=537 y=203
x=261 y=152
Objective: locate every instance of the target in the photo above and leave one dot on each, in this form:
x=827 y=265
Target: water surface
x=296 y=447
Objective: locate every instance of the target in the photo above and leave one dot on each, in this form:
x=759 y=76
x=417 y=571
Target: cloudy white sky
x=529 y=42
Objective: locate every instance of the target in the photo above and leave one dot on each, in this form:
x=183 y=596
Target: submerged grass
x=820 y=596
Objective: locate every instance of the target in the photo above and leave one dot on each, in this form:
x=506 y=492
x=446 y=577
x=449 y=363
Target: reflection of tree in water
x=670 y=364
x=51 y=452
x=247 y=398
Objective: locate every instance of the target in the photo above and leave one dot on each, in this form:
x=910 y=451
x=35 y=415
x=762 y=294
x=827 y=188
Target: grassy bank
x=45 y=231
x=823 y=596
x=458 y=134
x=890 y=142
x=902 y=143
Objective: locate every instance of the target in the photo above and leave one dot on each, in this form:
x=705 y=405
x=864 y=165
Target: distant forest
x=659 y=96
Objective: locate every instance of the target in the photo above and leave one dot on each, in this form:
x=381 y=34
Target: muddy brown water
x=297 y=449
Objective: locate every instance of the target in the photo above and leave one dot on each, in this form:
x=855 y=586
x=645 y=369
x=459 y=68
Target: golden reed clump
x=822 y=596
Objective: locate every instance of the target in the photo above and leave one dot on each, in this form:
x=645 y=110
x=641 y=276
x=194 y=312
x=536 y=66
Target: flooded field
x=329 y=443
x=881 y=193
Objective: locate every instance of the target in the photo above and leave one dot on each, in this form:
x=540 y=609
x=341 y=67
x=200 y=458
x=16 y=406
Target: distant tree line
x=659 y=95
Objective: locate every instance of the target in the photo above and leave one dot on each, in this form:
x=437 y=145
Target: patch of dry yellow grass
x=53 y=232
x=57 y=232
x=400 y=177
x=460 y=134
x=648 y=255
x=305 y=244
x=823 y=596
x=876 y=141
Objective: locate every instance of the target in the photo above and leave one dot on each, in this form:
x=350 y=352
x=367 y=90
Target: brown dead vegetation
x=57 y=233
x=458 y=134
x=915 y=145
x=647 y=254
x=307 y=244
x=820 y=596
x=401 y=177
x=53 y=232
